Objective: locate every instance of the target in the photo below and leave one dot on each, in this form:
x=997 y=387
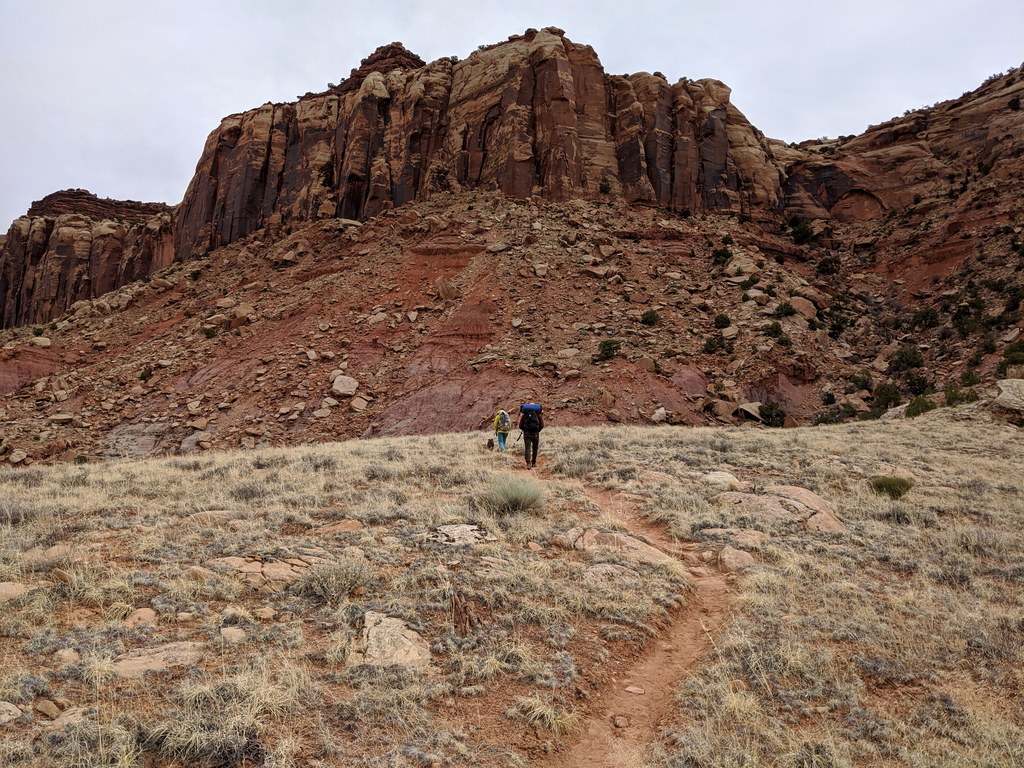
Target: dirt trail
x=669 y=659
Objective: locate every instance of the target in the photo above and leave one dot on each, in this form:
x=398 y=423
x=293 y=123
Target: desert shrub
x=650 y=317
x=512 y=495
x=721 y=256
x=88 y=744
x=14 y=511
x=772 y=329
x=772 y=414
x=886 y=395
x=722 y=321
x=607 y=349
x=209 y=332
x=955 y=395
x=330 y=583
x=828 y=398
x=906 y=357
x=919 y=405
x=715 y=343
x=749 y=283
x=785 y=309
x=543 y=713
x=604 y=187
x=1014 y=104
x=969 y=378
x=862 y=379
x=926 y=317
x=891 y=486
x=802 y=232
x=918 y=384
x=1012 y=355
x=827 y=266
x=727 y=240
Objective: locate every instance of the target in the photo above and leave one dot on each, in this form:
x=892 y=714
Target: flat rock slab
x=267 y=577
x=460 y=535
x=387 y=641
x=12 y=589
x=8 y=712
x=609 y=575
x=340 y=526
x=785 y=503
x=589 y=538
x=137 y=663
x=743 y=538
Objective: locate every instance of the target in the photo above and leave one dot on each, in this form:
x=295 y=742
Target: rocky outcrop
x=536 y=115
x=73 y=246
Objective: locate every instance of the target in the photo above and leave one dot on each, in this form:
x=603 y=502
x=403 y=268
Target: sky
x=118 y=96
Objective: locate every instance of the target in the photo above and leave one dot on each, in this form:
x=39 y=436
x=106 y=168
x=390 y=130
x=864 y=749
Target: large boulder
x=1011 y=395
x=386 y=641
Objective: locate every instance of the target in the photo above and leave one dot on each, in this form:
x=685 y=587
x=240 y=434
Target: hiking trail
x=668 y=659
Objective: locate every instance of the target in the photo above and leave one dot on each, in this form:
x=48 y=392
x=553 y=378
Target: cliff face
x=536 y=115
x=72 y=246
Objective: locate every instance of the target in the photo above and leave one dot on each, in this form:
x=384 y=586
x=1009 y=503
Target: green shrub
x=1015 y=104
x=969 y=378
x=650 y=317
x=607 y=349
x=906 y=357
x=802 y=232
x=722 y=321
x=926 y=317
x=715 y=343
x=772 y=414
x=209 y=332
x=828 y=398
x=954 y=395
x=773 y=329
x=886 y=396
x=146 y=373
x=919 y=405
x=512 y=495
x=891 y=486
x=862 y=379
x=785 y=309
x=721 y=256
x=828 y=266
x=918 y=384
x=604 y=187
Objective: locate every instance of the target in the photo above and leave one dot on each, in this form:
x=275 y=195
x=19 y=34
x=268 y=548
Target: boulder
x=631 y=548
x=344 y=386
x=1011 y=395
x=386 y=641
x=732 y=560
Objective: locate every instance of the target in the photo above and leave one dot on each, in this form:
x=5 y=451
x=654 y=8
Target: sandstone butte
x=536 y=115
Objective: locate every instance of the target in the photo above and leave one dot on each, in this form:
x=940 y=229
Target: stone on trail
x=732 y=559
x=633 y=549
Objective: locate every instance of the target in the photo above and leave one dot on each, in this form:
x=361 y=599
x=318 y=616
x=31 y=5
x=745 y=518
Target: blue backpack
x=529 y=420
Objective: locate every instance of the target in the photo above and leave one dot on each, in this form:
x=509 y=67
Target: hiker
x=531 y=422
x=502 y=426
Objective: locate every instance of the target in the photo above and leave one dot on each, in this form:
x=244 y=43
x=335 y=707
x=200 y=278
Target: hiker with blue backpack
x=531 y=422
x=502 y=426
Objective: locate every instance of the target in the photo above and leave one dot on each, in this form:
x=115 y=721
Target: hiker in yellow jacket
x=502 y=426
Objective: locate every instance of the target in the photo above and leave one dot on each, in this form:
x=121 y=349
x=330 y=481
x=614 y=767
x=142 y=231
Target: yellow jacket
x=502 y=431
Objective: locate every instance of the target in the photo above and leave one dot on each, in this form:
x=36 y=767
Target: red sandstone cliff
x=71 y=246
x=534 y=115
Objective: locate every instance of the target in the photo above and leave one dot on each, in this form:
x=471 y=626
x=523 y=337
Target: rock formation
x=536 y=115
x=72 y=246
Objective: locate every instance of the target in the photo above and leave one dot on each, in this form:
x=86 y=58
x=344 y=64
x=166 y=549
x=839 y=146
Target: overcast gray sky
x=118 y=96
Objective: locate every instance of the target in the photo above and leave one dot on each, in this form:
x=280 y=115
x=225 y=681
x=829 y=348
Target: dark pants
x=531 y=442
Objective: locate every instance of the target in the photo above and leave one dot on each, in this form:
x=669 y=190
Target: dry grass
x=895 y=642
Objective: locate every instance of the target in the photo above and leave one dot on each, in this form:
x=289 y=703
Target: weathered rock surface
x=137 y=663
x=387 y=641
x=72 y=247
x=534 y=115
x=589 y=538
x=785 y=503
x=1011 y=395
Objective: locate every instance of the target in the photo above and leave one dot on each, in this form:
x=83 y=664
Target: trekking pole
x=520 y=435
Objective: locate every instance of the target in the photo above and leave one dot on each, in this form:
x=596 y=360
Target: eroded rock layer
x=73 y=246
x=534 y=115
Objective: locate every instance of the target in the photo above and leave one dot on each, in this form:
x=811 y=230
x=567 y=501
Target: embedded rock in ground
x=460 y=535
x=267 y=577
x=756 y=506
x=743 y=538
x=722 y=480
x=1011 y=395
x=589 y=538
x=8 y=712
x=232 y=635
x=137 y=663
x=893 y=470
x=609 y=575
x=732 y=559
x=785 y=503
x=143 y=617
x=339 y=526
x=387 y=641
x=12 y=589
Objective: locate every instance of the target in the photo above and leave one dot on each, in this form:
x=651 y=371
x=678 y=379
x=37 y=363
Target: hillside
x=386 y=257
x=648 y=596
